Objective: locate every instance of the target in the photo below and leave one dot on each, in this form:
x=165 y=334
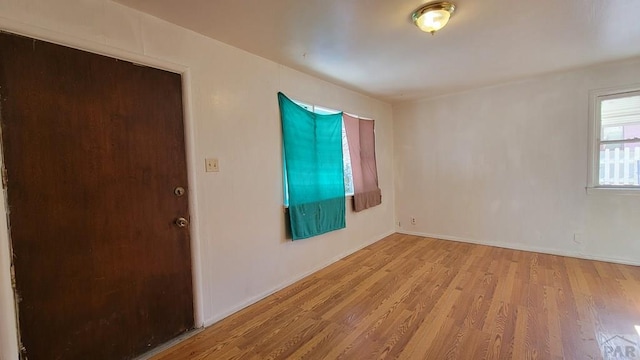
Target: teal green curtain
x=313 y=169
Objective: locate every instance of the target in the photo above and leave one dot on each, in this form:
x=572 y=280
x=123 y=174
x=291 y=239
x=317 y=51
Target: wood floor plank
x=553 y=321
x=409 y=297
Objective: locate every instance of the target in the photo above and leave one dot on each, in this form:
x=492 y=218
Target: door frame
x=7 y=25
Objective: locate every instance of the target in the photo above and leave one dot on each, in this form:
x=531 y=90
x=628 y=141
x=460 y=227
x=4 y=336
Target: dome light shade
x=434 y=16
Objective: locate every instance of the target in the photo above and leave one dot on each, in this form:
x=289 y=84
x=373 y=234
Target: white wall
x=238 y=234
x=507 y=166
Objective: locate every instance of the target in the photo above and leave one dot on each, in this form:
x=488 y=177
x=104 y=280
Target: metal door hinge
x=23 y=352
x=4 y=177
x=13 y=278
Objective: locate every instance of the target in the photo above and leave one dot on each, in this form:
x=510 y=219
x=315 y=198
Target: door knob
x=182 y=222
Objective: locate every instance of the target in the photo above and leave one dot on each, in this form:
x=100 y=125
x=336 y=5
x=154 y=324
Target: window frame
x=596 y=97
x=323 y=111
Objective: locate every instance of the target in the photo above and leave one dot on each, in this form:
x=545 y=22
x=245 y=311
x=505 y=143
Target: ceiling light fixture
x=433 y=16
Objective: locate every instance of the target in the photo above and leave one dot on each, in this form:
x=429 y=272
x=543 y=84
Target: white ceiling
x=373 y=47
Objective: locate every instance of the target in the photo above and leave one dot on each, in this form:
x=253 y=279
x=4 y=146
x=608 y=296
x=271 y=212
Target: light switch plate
x=211 y=165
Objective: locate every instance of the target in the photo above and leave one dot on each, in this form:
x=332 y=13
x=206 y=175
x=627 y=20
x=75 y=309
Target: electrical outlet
x=413 y=221
x=211 y=165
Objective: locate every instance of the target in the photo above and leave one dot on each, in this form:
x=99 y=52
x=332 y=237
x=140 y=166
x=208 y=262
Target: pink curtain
x=362 y=150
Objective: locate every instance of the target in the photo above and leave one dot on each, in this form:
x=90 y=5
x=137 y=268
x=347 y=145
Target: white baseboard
x=292 y=280
x=523 y=247
x=171 y=343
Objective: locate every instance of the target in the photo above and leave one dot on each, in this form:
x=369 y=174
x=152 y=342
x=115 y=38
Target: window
x=313 y=169
x=320 y=149
x=348 y=174
x=615 y=139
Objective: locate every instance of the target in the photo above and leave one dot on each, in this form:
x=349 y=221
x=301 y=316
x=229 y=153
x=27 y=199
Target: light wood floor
x=409 y=297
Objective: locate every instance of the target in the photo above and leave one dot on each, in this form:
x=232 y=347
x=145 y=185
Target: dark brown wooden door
x=93 y=149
